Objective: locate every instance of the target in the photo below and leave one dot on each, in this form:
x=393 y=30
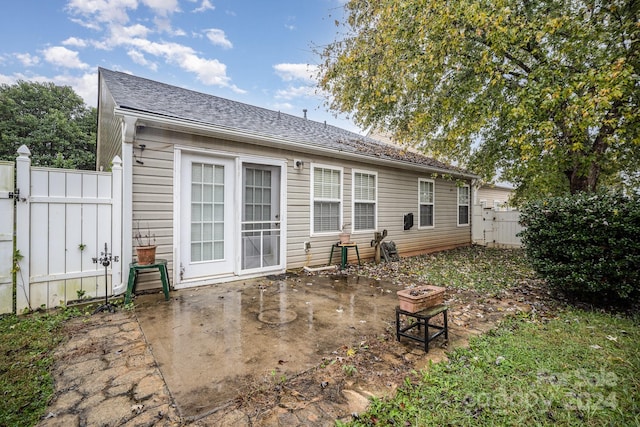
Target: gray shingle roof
x=148 y=96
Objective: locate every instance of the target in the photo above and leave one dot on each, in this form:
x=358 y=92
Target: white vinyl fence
x=496 y=228
x=63 y=220
x=6 y=236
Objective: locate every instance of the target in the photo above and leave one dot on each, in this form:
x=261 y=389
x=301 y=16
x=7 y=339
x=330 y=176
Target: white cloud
x=139 y=58
x=7 y=80
x=122 y=35
x=290 y=72
x=91 y=25
x=282 y=106
x=217 y=37
x=206 y=5
x=296 y=92
x=163 y=24
x=290 y=23
x=110 y=11
x=137 y=30
x=63 y=57
x=86 y=86
x=208 y=71
x=27 y=59
x=162 y=7
x=74 y=41
x=137 y=41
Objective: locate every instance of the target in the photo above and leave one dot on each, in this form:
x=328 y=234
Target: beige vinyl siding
x=397 y=195
x=490 y=195
x=153 y=199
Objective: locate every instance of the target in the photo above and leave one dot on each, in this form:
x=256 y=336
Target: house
x=493 y=196
x=236 y=191
x=486 y=195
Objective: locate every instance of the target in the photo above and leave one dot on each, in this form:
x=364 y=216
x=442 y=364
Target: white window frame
x=433 y=204
x=354 y=200
x=468 y=205
x=313 y=199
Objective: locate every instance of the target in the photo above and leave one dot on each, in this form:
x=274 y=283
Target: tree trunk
x=579 y=182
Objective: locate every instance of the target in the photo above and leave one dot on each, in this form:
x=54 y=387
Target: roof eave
x=207 y=129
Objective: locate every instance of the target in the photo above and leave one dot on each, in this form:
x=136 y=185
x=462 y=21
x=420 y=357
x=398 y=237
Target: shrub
x=585 y=244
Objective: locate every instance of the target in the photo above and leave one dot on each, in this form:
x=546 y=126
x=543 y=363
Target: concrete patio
x=301 y=350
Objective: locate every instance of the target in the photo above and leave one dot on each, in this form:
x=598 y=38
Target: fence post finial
x=23 y=151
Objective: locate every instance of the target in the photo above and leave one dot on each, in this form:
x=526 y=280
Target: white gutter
x=274 y=142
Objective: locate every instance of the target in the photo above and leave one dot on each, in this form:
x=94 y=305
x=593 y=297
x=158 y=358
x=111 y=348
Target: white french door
x=207 y=222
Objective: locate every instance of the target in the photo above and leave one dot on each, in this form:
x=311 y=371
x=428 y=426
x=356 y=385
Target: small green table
x=134 y=268
x=344 y=247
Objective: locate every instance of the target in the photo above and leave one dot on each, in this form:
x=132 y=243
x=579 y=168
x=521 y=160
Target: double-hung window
x=327 y=199
x=426 y=200
x=463 y=205
x=364 y=200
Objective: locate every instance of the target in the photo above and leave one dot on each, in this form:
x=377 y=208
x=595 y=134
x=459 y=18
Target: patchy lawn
x=570 y=367
x=485 y=270
x=582 y=368
x=26 y=348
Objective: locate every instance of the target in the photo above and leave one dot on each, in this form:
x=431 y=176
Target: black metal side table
x=422 y=318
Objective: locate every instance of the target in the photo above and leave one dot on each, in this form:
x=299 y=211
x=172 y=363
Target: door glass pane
x=207 y=212
x=260 y=219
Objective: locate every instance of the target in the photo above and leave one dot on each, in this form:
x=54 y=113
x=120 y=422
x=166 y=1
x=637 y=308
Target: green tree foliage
x=53 y=121
x=586 y=244
x=544 y=91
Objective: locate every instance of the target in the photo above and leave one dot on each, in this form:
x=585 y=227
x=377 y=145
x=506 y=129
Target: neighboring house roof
x=139 y=95
x=502 y=186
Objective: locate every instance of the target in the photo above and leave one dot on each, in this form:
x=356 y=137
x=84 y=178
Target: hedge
x=586 y=244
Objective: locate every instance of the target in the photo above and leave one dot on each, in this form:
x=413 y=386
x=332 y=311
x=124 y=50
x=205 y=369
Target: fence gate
x=63 y=218
x=6 y=236
x=495 y=228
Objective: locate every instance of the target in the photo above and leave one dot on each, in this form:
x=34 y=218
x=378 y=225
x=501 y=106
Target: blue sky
x=259 y=52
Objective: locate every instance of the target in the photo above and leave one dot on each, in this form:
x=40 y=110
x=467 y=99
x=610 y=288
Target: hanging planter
x=421 y=297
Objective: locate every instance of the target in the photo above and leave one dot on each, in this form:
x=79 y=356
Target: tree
x=53 y=121
x=545 y=92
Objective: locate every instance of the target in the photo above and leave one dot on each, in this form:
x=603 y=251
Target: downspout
x=475 y=186
x=128 y=127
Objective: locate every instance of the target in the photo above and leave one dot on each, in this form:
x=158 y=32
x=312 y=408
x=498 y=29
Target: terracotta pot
x=345 y=238
x=146 y=254
x=421 y=297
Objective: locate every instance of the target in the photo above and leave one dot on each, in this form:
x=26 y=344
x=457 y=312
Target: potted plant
x=420 y=297
x=345 y=236
x=145 y=245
